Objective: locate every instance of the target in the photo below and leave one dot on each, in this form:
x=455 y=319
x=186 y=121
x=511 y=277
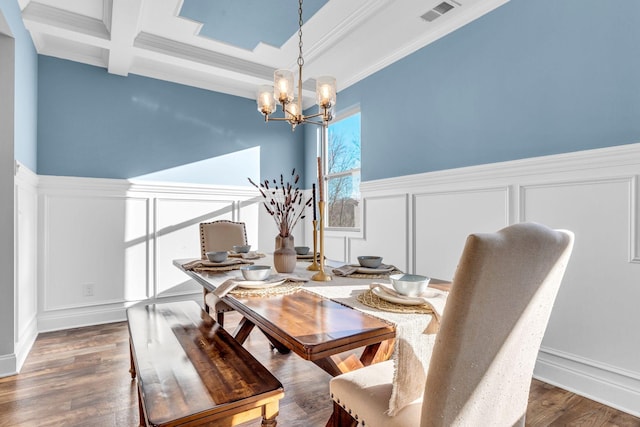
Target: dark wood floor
x=80 y=377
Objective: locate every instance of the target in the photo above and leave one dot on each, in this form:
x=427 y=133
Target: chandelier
x=283 y=92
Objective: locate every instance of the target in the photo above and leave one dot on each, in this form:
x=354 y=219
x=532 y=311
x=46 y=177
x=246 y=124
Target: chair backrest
x=221 y=235
x=492 y=326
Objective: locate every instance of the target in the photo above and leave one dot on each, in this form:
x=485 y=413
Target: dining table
x=327 y=323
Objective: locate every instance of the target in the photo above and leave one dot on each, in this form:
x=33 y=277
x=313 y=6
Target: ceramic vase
x=284 y=257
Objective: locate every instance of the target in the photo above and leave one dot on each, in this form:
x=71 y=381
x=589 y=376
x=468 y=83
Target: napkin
x=345 y=270
x=247 y=255
x=215 y=297
x=435 y=303
x=204 y=264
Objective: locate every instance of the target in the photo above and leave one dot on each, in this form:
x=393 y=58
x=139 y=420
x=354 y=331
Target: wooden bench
x=191 y=372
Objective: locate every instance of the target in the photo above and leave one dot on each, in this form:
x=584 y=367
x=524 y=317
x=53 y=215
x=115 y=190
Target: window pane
x=344 y=198
x=344 y=145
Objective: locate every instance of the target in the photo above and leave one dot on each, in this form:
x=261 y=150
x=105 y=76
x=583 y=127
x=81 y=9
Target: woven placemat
x=220 y=269
x=370 y=299
x=285 y=288
x=374 y=276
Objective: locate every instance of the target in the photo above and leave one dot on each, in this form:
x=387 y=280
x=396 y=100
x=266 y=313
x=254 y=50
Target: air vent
x=437 y=11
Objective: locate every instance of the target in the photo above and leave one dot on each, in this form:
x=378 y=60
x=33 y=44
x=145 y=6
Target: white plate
x=259 y=284
x=402 y=299
x=368 y=270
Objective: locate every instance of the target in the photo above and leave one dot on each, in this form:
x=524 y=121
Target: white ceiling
x=348 y=39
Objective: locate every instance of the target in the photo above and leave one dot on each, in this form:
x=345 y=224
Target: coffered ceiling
x=233 y=46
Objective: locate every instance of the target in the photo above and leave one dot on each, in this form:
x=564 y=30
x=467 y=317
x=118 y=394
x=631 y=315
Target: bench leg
x=143 y=418
x=132 y=368
x=269 y=414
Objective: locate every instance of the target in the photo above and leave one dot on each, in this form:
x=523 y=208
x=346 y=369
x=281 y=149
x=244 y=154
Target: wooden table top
x=314 y=327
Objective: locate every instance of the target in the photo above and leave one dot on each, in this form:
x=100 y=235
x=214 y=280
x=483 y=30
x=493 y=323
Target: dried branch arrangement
x=284 y=201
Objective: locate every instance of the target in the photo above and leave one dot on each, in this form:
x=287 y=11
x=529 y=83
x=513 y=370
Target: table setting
x=255 y=280
x=368 y=267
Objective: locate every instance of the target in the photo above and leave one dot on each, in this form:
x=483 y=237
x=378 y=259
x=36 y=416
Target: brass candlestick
x=321 y=276
x=314 y=266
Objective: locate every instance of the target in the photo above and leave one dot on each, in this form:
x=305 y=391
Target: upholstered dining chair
x=485 y=351
x=220 y=235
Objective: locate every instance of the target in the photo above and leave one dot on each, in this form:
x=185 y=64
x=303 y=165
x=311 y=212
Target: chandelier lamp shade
x=283 y=92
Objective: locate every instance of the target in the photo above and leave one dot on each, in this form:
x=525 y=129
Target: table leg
x=377 y=352
x=243 y=330
x=336 y=365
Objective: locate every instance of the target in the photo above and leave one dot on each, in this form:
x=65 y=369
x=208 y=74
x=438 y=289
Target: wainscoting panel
x=591 y=345
x=87 y=250
x=26 y=261
x=589 y=303
x=387 y=235
x=108 y=244
x=443 y=220
x=177 y=235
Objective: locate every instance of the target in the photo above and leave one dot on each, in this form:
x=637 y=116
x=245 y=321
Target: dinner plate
x=259 y=284
x=368 y=270
x=398 y=299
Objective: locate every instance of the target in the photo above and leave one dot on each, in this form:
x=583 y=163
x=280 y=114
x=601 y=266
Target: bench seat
x=191 y=372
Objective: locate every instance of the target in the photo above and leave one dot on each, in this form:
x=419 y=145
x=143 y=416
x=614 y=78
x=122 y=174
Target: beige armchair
x=492 y=326
x=221 y=235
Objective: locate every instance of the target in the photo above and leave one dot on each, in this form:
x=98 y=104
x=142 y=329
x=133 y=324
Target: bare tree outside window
x=343 y=172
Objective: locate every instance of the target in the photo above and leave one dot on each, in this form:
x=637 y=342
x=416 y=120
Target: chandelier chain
x=300 y=22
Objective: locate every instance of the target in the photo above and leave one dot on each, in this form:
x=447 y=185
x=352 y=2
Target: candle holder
x=315 y=266
x=321 y=276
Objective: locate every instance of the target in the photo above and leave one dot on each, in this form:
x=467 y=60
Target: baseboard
x=27 y=338
x=607 y=385
x=96 y=315
x=8 y=365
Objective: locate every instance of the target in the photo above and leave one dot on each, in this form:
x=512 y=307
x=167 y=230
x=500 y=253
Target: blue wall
x=26 y=80
x=531 y=78
x=95 y=124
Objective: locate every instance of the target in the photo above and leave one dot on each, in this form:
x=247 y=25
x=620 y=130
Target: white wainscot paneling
x=100 y=242
x=443 y=220
x=596 y=311
x=386 y=231
x=26 y=275
x=26 y=262
x=178 y=236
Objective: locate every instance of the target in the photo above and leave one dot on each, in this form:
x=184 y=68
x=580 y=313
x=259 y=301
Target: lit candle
x=320 y=181
x=314 y=201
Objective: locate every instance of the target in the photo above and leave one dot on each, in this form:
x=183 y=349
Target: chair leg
x=204 y=298
x=341 y=418
x=220 y=318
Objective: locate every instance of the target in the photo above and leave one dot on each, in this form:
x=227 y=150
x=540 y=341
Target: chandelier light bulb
x=283 y=86
x=266 y=102
x=326 y=91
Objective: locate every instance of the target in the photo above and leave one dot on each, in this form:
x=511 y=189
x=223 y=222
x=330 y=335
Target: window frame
x=324 y=149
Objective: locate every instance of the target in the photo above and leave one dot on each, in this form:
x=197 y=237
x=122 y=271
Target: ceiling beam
x=125 y=24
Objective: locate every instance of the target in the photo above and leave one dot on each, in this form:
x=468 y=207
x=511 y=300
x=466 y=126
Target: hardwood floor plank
x=80 y=377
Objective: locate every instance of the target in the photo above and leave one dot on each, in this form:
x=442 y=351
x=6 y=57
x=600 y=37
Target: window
x=343 y=171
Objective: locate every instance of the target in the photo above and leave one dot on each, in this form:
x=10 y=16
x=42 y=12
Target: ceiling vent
x=437 y=11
